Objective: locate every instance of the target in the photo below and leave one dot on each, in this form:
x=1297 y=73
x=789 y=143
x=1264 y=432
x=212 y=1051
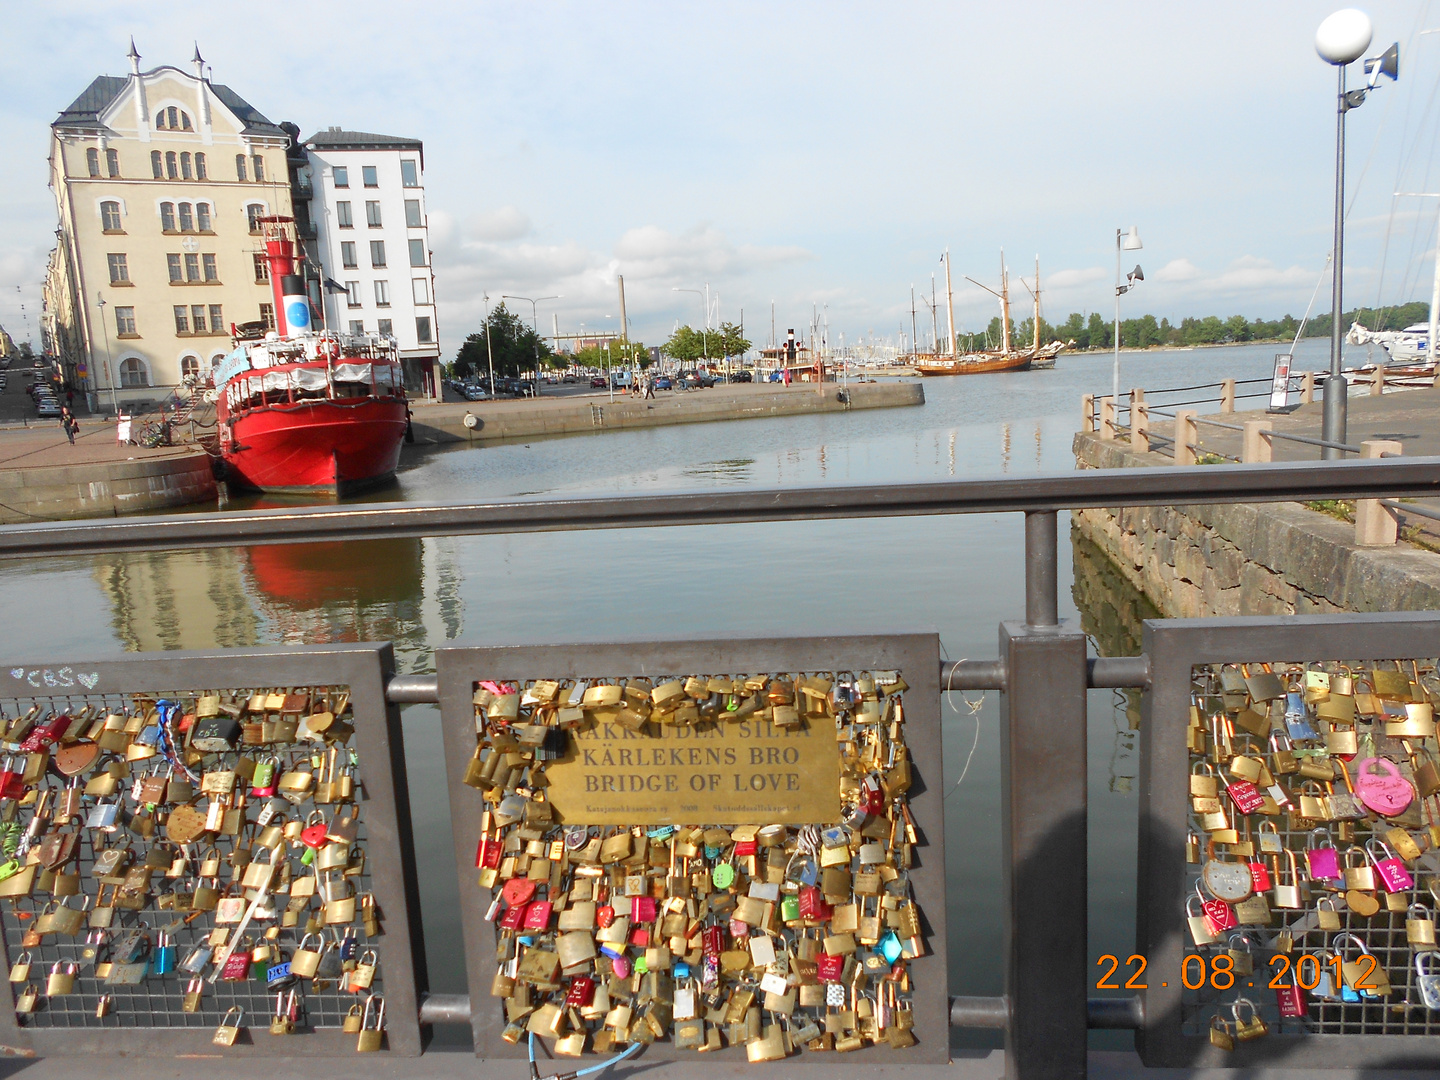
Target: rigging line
x=1404 y=162
x=1309 y=307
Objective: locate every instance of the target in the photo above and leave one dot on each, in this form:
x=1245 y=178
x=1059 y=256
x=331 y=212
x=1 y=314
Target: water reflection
x=731 y=471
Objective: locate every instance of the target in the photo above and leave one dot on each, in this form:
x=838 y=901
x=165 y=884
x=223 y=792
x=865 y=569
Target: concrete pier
x=498 y=421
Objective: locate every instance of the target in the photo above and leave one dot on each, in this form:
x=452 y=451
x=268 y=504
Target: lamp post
x=705 y=326
x=109 y=376
x=1123 y=242
x=534 y=328
x=489 y=346
x=1341 y=40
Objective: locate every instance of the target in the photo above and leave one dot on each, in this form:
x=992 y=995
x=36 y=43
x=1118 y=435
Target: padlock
x=1427 y=979
x=1388 y=867
x=372 y=1029
x=1385 y=792
x=1360 y=876
x=1286 y=896
x=61 y=980
x=229 y=1029
x=1326 y=915
x=1321 y=858
x=1419 y=928
x=1242 y=958
x=1282 y=754
x=1365 y=975
x=1251 y=1027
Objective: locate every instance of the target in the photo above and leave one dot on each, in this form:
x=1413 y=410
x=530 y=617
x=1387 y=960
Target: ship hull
x=315 y=446
x=983 y=366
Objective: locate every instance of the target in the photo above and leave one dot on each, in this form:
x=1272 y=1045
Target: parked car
x=664 y=382
x=741 y=376
x=474 y=393
x=568 y=379
x=49 y=408
x=598 y=383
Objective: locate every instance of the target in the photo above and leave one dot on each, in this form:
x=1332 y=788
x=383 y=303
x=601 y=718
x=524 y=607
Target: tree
x=689 y=346
x=731 y=341
x=618 y=354
x=1074 y=330
x=1099 y=331
x=515 y=346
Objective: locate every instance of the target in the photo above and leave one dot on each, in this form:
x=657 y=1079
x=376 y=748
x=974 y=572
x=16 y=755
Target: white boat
x=1408 y=346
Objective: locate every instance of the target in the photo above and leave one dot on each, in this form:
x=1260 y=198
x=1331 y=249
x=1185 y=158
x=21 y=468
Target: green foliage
x=515 y=347
x=618 y=355
x=691 y=346
x=1098 y=332
x=1144 y=331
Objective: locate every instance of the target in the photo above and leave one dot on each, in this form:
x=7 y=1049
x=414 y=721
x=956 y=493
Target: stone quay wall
x=1261 y=559
x=105 y=488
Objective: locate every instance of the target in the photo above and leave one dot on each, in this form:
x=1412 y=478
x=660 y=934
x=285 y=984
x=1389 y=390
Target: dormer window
x=173 y=119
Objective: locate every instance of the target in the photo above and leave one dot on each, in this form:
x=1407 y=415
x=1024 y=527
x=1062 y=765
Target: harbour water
x=958 y=576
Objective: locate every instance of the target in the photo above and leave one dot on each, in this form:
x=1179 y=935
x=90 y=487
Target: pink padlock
x=1323 y=862
x=1386 y=792
x=1391 y=869
x=1291 y=999
x=1219 y=916
x=620 y=966
x=1246 y=796
x=642 y=909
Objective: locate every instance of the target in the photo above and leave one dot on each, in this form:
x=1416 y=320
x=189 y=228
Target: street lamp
x=109 y=377
x=1341 y=40
x=534 y=329
x=489 y=347
x=705 y=326
x=1123 y=242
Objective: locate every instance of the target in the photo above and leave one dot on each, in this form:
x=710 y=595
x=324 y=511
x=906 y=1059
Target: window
x=262 y=268
x=202 y=216
x=382 y=294
x=367 y=172
x=357 y=326
x=420 y=289
x=240 y=167
x=342 y=176
x=173 y=262
x=417 y=252
x=412 y=214
x=197 y=318
x=172 y=169
x=187 y=217
x=186 y=172
x=408 y=175
x=200 y=167
x=119 y=270
x=132 y=373
x=347 y=254
x=182 y=319
x=422 y=330
x=377 y=253
x=387 y=328
x=208 y=261
x=110 y=216
x=189 y=367
x=112 y=164
x=92 y=161
x=342 y=215
x=156 y=166
x=125 y=321
x=352 y=290
x=372 y=214
x=253 y=213
x=167 y=216
x=192 y=267
x=217 y=320
x=267 y=316
x=259 y=165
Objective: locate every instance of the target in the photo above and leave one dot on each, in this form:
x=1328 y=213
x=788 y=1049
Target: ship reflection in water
x=404 y=591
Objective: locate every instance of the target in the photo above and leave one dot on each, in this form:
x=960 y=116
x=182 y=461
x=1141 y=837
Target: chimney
x=202 y=93
x=142 y=109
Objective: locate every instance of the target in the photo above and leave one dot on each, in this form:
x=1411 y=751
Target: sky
x=819 y=157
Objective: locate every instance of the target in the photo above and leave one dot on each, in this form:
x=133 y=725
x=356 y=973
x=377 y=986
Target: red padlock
x=513 y=918
x=1291 y=999
x=237 y=966
x=872 y=795
x=712 y=941
x=45 y=734
x=1260 y=877
x=12 y=781
x=604 y=916
x=640 y=937
x=518 y=891
x=1219 y=916
x=829 y=968
x=537 y=915
x=580 y=994
x=642 y=909
x=745 y=847
x=1246 y=796
x=316 y=835
x=813 y=905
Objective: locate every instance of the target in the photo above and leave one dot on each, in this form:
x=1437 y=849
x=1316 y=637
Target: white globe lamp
x=1344 y=37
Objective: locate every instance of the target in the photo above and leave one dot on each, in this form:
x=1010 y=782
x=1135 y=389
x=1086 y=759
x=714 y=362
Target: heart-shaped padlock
x=1386 y=792
x=314 y=836
x=1230 y=882
x=518 y=891
x=1219 y=914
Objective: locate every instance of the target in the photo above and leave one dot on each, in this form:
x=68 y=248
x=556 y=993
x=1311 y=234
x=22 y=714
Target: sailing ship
x=1006 y=359
x=300 y=411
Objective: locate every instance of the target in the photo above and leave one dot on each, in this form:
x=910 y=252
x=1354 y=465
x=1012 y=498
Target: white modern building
x=367 y=204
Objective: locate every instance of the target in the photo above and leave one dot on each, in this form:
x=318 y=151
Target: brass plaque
x=747 y=772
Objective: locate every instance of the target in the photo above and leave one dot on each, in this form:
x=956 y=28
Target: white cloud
x=1072 y=279
x=650 y=252
x=1177 y=270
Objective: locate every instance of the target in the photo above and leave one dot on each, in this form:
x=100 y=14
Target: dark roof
x=360 y=140
x=85 y=110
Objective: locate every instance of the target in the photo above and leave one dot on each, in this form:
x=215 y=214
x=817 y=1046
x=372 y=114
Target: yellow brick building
x=158 y=179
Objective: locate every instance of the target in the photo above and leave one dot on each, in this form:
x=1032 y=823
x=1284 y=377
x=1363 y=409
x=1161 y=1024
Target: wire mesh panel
x=206 y=851
x=730 y=847
x=1289 y=864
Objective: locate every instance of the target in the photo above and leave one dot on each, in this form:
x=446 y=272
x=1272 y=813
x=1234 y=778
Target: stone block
x=1189 y=562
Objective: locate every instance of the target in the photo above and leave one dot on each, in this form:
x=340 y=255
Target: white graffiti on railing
x=60 y=677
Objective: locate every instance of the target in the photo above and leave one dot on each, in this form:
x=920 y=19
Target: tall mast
x=1037 y=302
x=913 y=344
x=949 y=302
x=934 y=319
x=1004 y=303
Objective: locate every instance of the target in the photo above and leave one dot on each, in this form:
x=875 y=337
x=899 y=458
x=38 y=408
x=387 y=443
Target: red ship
x=302 y=411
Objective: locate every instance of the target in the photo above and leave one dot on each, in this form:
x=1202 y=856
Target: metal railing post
x=1255 y=446
x=1043 y=810
x=1376 y=525
x=1227 y=395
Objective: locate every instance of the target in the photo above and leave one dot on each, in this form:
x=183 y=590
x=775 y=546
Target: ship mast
x=1004 y=303
x=1037 y=303
x=949 y=302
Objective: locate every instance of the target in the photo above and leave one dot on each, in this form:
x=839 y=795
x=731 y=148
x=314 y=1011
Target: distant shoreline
x=1182 y=348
